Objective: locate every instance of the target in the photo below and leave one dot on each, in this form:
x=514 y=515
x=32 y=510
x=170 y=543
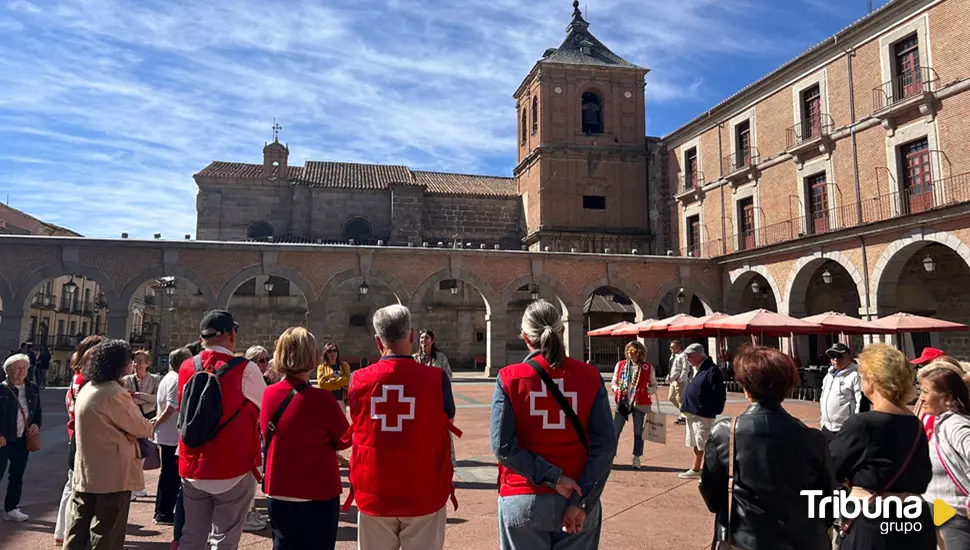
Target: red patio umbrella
x=840 y=322
x=698 y=326
x=765 y=323
x=608 y=329
x=906 y=322
x=633 y=329
x=660 y=328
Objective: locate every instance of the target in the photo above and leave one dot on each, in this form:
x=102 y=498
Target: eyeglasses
x=329 y=351
x=262 y=359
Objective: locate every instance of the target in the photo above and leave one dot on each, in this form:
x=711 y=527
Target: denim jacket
x=10 y=409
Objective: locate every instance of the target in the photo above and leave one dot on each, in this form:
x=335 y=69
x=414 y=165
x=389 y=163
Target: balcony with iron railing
x=740 y=166
x=910 y=91
x=690 y=187
x=809 y=137
x=910 y=201
x=42 y=300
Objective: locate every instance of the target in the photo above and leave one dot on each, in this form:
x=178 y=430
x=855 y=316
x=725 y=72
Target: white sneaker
x=16 y=515
x=636 y=463
x=690 y=474
x=254 y=523
x=140 y=493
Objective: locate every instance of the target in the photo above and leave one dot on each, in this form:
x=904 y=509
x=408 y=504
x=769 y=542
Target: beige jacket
x=106 y=461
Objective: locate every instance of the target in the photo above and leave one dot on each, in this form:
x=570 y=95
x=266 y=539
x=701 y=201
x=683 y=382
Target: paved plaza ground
x=650 y=509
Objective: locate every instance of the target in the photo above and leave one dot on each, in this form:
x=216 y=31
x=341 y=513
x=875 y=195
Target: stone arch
x=228 y=289
x=355 y=226
x=631 y=291
x=741 y=278
x=421 y=293
x=889 y=266
x=562 y=294
x=592 y=109
x=6 y=294
x=260 y=230
x=707 y=298
x=388 y=279
x=801 y=274
x=160 y=271
x=60 y=269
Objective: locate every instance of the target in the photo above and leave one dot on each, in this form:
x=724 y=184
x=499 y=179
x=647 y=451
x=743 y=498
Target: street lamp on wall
x=70 y=287
x=454 y=288
x=681 y=297
x=755 y=288
x=268 y=286
x=827 y=277
x=171 y=289
x=362 y=291
x=534 y=292
x=929 y=264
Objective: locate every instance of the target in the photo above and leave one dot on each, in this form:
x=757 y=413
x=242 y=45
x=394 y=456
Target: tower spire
x=276 y=131
x=578 y=23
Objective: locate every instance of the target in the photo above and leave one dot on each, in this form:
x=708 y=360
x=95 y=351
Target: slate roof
x=465 y=184
x=578 y=35
x=242 y=170
x=349 y=175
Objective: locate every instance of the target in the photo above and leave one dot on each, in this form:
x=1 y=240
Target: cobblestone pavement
x=651 y=509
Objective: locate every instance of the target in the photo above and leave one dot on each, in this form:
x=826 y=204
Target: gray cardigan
x=952 y=433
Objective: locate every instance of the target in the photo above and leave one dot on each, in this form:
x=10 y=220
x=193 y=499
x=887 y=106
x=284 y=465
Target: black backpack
x=201 y=408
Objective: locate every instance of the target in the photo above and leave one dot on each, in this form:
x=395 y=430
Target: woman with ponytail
x=554 y=438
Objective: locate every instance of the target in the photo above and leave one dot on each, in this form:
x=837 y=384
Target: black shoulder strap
x=231 y=364
x=271 y=427
x=561 y=400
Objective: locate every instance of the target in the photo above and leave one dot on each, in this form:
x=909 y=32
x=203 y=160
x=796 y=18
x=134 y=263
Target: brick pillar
x=116 y=324
x=575 y=323
x=315 y=321
x=10 y=328
x=495 y=347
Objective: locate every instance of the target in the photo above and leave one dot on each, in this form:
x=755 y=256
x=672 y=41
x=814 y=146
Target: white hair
x=542 y=324
x=392 y=323
x=13 y=360
x=253 y=351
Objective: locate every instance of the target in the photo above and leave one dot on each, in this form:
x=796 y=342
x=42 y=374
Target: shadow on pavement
x=645 y=468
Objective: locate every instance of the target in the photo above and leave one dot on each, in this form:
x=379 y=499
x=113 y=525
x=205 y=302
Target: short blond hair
x=296 y=351
x=889 y=372
x=142 y=352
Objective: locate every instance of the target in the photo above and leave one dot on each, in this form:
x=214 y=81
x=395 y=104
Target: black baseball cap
x=216 y=323
x=838 y=348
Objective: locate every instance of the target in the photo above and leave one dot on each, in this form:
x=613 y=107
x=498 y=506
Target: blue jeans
x=638 y=419
x=534 y=522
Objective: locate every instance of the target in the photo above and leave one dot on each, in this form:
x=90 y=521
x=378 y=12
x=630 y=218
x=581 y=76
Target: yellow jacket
x=329 y=379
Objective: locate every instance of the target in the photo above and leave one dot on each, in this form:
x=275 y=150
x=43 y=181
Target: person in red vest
x=218 y=480
x=304 y=428
x=553 y=461
x=400 y=466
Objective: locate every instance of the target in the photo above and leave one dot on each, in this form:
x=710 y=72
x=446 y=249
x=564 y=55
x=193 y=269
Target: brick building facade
x=841 y=181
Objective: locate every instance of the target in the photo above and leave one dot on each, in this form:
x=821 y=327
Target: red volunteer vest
x=401 y=460
x=642 y=395
x=236 y=450
x=541 y=426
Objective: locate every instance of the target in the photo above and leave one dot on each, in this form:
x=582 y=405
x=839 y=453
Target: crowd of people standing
x=222 y=423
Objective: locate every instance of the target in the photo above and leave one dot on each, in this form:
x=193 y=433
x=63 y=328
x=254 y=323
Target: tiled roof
x=464 y=184
x=242 y=170
x=571 y=50
x=349 y=175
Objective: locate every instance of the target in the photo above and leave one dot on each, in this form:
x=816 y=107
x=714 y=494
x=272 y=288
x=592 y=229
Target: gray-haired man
x=400 y=469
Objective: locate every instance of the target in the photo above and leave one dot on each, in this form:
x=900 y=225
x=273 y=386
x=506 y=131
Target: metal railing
x=690 y=181
x=742 y=158
x=809 y=129
x=907 y=85
x=914 y=200
x=41 y=300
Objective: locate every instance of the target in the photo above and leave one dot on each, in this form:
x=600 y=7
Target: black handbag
x=624 y=409
x=148 y=450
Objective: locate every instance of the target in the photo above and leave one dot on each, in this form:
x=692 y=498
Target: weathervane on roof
x=276 y=130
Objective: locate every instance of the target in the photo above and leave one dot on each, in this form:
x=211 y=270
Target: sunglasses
x=262 y=359
x=835 y=356
x=329 y=351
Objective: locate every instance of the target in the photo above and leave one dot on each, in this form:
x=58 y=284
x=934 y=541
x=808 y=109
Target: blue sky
x=107 y=107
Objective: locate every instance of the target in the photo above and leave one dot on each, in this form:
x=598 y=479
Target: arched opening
x=606 y=306
x=163 y=314
x=830 y=288
x=260 y=231
x=265 y=306
x=592 y=106
x=58 y=313
x=457 y=311
x=358 y=230
x=535 y=114
x=349 y=317
x=524 y=125
x=930 y=279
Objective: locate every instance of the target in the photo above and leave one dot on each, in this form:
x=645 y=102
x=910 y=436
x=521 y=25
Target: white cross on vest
x=548 y=403
x=393 y=408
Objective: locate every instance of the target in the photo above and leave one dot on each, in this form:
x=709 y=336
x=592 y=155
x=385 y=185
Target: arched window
x=535 y=114
x=359 y=230
x=260 y=231
x=592 y=114
x=524 y=125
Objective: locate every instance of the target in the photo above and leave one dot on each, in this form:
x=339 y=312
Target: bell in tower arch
x=592 y=114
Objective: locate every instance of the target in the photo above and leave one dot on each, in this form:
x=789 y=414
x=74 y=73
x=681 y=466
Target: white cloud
x=117 y=103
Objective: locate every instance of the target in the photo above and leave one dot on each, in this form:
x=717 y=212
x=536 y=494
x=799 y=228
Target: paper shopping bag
x=657 y=426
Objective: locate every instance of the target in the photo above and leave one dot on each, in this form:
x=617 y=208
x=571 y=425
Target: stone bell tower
x=582 y=162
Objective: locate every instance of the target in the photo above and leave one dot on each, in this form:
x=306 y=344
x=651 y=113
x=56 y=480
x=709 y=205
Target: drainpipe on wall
x=855 y=175
x=720 y=189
